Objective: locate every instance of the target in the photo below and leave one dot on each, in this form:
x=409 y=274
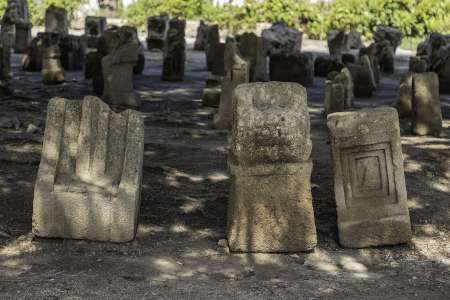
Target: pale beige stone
x=89 y=179
x=369 y=180
x=270 y=207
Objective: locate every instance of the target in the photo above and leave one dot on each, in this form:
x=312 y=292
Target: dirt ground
x=176 y=254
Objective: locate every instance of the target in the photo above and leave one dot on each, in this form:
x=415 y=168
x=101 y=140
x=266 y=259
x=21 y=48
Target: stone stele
x=270 y=207
x=426 y=105
x=369 y=180
x=89 y=180
x=237 y=71
x=56 y=20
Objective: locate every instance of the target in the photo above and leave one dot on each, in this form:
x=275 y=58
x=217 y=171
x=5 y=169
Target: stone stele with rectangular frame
x=369 y=179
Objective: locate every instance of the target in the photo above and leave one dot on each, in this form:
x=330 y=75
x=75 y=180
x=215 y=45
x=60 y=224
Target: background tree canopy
x=416 y=18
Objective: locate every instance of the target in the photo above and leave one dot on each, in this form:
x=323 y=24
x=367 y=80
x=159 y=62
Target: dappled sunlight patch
x=321 y=261
x=350 y=264
x=20 y=246
x=218 y=177
x=413 y=203
x=191 y=205
x=261 y=259
x=179 y=228
x=146 y=229
x=425 y=244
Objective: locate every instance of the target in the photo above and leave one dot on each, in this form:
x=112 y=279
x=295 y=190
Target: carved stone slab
x=369 y=180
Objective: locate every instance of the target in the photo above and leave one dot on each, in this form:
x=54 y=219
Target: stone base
x=270 y=209
x=386 y=231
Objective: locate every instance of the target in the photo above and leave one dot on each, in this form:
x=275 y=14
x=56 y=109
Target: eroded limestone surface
x=369 y=180
x=89 y=180
x=270 y=207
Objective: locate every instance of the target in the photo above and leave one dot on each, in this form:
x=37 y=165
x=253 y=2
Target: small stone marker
x=237 y=71
x=89 y=180
x=56 y=20
x=174 y=51
x=270 y=207
x=369 y=180
x=426 y=105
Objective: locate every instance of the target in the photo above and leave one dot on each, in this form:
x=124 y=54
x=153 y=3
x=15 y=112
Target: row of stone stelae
x=270 y=206
x=89 y=180
x=351 y=70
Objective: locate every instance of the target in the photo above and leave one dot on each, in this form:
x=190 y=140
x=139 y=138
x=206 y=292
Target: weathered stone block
x=426 y=105
x=32 y=61
x=323 y=65
x=345 y=79
x=211 y=97
x=52 y=70
x=391 y=34
x=417 y=65
x=89 y=179
x=355 y=40
x=117 y=69
x=23 y=38
x=369 y=180
x=403 y=103
x=348 y=58
x=174 y=51
x=270 y=208
x=252 y=49
x=56 y=20
x=334 y=97
x=362 y=80
x=297 y=67
x=201 y=38
x=282 y=39
x=215 y=59
x=337 y=43
x=157 y=27
x=72 y=52
x=93 y=29
x=237 y=71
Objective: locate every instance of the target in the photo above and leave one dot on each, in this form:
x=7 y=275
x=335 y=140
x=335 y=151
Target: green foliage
x=416 y=18
x=413 y=17
x=137 y=13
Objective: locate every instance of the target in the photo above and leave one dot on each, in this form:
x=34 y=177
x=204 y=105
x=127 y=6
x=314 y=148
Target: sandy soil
x=176 y=254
